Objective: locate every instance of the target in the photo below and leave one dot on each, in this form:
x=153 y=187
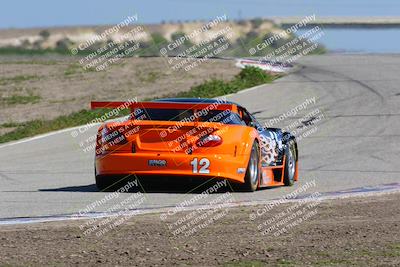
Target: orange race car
x=202 y=138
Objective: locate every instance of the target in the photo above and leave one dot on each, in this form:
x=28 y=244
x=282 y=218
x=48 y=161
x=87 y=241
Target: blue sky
x=47 y=13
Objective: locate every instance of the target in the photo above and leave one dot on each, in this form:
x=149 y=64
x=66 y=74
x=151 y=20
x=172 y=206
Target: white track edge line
x=205 y=207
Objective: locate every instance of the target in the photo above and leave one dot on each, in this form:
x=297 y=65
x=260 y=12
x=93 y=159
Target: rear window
x=151 y=114
x=222 y=116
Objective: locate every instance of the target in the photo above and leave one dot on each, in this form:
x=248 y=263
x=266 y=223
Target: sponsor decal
x=157 y=162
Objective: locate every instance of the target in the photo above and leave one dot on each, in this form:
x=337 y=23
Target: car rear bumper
x=177 y=164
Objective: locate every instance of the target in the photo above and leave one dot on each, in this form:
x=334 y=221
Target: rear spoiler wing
x=164 y=105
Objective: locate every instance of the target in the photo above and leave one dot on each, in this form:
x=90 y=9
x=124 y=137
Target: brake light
x=209 y=141
x=112 y=137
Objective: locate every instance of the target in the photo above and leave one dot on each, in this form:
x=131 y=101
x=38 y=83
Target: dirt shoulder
x=45 y=87
x=348 y=232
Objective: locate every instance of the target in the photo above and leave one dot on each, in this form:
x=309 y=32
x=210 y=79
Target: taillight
x=112 y=137
x=109 y=137
x=209 y=141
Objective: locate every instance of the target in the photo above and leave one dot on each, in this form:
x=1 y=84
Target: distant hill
x=239 y=34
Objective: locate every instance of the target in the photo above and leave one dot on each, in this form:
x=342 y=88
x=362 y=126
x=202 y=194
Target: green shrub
x=45 y=34
x=248 y=77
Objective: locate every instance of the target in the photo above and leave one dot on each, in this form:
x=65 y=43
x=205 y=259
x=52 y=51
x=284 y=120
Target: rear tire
x=104 y=184
x=290 y=163
x=252 y=176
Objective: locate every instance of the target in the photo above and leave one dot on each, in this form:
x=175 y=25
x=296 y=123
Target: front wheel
x=290 y=163
x=253 y=170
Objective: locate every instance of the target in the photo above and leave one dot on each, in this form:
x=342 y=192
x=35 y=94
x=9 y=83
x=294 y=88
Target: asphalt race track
x=355 y=144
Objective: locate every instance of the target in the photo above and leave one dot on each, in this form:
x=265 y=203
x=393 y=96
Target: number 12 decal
x=203 y=163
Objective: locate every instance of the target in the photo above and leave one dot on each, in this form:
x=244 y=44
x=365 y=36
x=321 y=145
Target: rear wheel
x=105 y=183
x=253 y=170
x=290 y=163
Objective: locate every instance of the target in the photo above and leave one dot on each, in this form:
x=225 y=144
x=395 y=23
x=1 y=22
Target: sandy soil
x=348 y=232
x=63 y=87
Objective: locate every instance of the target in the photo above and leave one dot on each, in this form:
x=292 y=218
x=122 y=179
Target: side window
x=250 y=120
x=246 y=117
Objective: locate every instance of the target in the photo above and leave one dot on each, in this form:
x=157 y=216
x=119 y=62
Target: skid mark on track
x=339 y=75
